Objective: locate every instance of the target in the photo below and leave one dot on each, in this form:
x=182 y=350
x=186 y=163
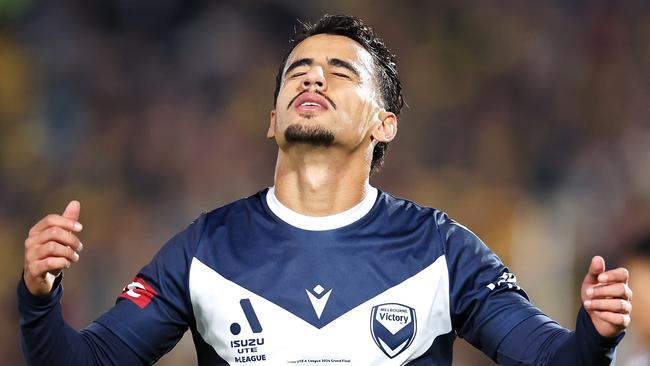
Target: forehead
x=322 y=47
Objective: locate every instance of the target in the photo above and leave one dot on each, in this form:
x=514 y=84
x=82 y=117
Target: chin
x=309 y=134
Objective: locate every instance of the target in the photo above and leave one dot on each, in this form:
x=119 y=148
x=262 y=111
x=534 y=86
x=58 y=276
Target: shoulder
x=455 y=237
x=186 y=241
x=394 y=207
x=243 y=206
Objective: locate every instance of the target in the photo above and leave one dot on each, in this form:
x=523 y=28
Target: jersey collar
x=321 y=223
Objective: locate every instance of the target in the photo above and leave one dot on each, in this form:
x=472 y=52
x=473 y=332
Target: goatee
x=312 y=135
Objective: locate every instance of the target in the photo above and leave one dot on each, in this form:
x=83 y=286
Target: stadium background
x=527 y=122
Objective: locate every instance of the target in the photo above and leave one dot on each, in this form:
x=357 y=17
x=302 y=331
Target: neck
x=318 y=182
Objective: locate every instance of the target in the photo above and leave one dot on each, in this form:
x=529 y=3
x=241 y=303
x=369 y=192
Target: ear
x=386 y=130
x=270 y=134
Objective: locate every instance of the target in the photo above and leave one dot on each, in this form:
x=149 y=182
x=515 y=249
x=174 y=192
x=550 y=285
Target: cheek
x=362 y=105
x=281 y=116
x=283 y=98
x=355 y=115
x=288 y=90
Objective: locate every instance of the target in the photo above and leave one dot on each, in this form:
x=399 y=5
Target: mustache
x=317 y=92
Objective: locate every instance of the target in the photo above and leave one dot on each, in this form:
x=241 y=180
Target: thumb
x=596 y=267
x=72 y=210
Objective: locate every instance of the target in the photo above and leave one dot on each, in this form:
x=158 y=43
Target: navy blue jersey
x=387 y=282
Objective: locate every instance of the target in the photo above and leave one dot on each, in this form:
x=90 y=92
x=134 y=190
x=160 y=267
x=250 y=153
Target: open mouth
x=311 y=102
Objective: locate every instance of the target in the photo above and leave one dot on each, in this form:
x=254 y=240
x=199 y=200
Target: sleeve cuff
x=27 y=299
x=586 y=326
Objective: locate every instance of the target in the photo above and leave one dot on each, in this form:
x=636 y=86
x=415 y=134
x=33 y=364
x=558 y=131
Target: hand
x=606 y=297
x=50 y=247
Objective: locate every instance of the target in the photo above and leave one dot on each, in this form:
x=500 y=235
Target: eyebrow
x=336 y=62
x=298 y=63
x=344 y=64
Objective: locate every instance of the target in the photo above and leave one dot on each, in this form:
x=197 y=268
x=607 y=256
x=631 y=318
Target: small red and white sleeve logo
x=139 y=292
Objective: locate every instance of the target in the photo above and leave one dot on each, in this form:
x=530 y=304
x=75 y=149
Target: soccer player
x=322 y=268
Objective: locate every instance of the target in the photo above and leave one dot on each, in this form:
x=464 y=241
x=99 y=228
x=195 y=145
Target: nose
x=314 y=79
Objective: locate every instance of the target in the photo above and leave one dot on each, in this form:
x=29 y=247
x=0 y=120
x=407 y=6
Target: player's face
x=328 y=86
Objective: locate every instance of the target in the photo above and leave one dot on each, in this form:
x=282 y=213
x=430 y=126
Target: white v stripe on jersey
x=288 y=339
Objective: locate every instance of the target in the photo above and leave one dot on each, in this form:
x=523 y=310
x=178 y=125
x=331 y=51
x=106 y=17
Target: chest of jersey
x=338 y=301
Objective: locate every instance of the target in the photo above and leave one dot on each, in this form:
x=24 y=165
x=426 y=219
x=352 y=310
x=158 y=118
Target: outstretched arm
x=48 y=340
x=494 y=314
x=50 y=247
x=148 y=319
x=601 y=321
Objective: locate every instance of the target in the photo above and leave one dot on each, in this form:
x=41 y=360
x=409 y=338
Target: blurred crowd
x=526 y=121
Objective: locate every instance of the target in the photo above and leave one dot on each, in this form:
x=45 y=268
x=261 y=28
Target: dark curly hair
x=390 y=87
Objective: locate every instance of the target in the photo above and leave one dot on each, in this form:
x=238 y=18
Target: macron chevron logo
x=318 y=298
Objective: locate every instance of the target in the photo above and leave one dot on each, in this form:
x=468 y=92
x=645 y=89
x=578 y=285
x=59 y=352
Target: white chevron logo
x=319 y=300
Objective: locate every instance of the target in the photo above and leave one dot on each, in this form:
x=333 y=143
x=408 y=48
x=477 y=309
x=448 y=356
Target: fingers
x=50 y=247
x=52 y=237
x=614 y=290
x=50 y=264
x=606 y=297
x=53 y=249
x=596 y=267
x=55 y=220
x=620 y=306
x=51 y=256
x=72 y=210
x=609 y=304
x=56 y=234
x=621 y=320
x=615 y=275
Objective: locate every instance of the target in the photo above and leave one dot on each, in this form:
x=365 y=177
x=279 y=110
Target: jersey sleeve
x=147 y=320
x=541 y=341
x=154 y=310
x=491 y=312
x=484 y=295
x=47 y=340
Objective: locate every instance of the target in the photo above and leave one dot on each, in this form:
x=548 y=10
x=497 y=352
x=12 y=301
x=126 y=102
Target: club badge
x=393 y=327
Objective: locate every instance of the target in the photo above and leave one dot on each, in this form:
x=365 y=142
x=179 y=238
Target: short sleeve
x=154 y=310
x=485 y=301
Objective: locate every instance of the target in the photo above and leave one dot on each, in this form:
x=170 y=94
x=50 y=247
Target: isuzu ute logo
x=393 y=327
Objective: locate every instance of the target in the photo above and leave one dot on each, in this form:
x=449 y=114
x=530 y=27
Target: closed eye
x=297 y=74
x=340 y=75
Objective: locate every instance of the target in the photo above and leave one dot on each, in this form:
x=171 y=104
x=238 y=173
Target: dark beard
x=312 y=135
